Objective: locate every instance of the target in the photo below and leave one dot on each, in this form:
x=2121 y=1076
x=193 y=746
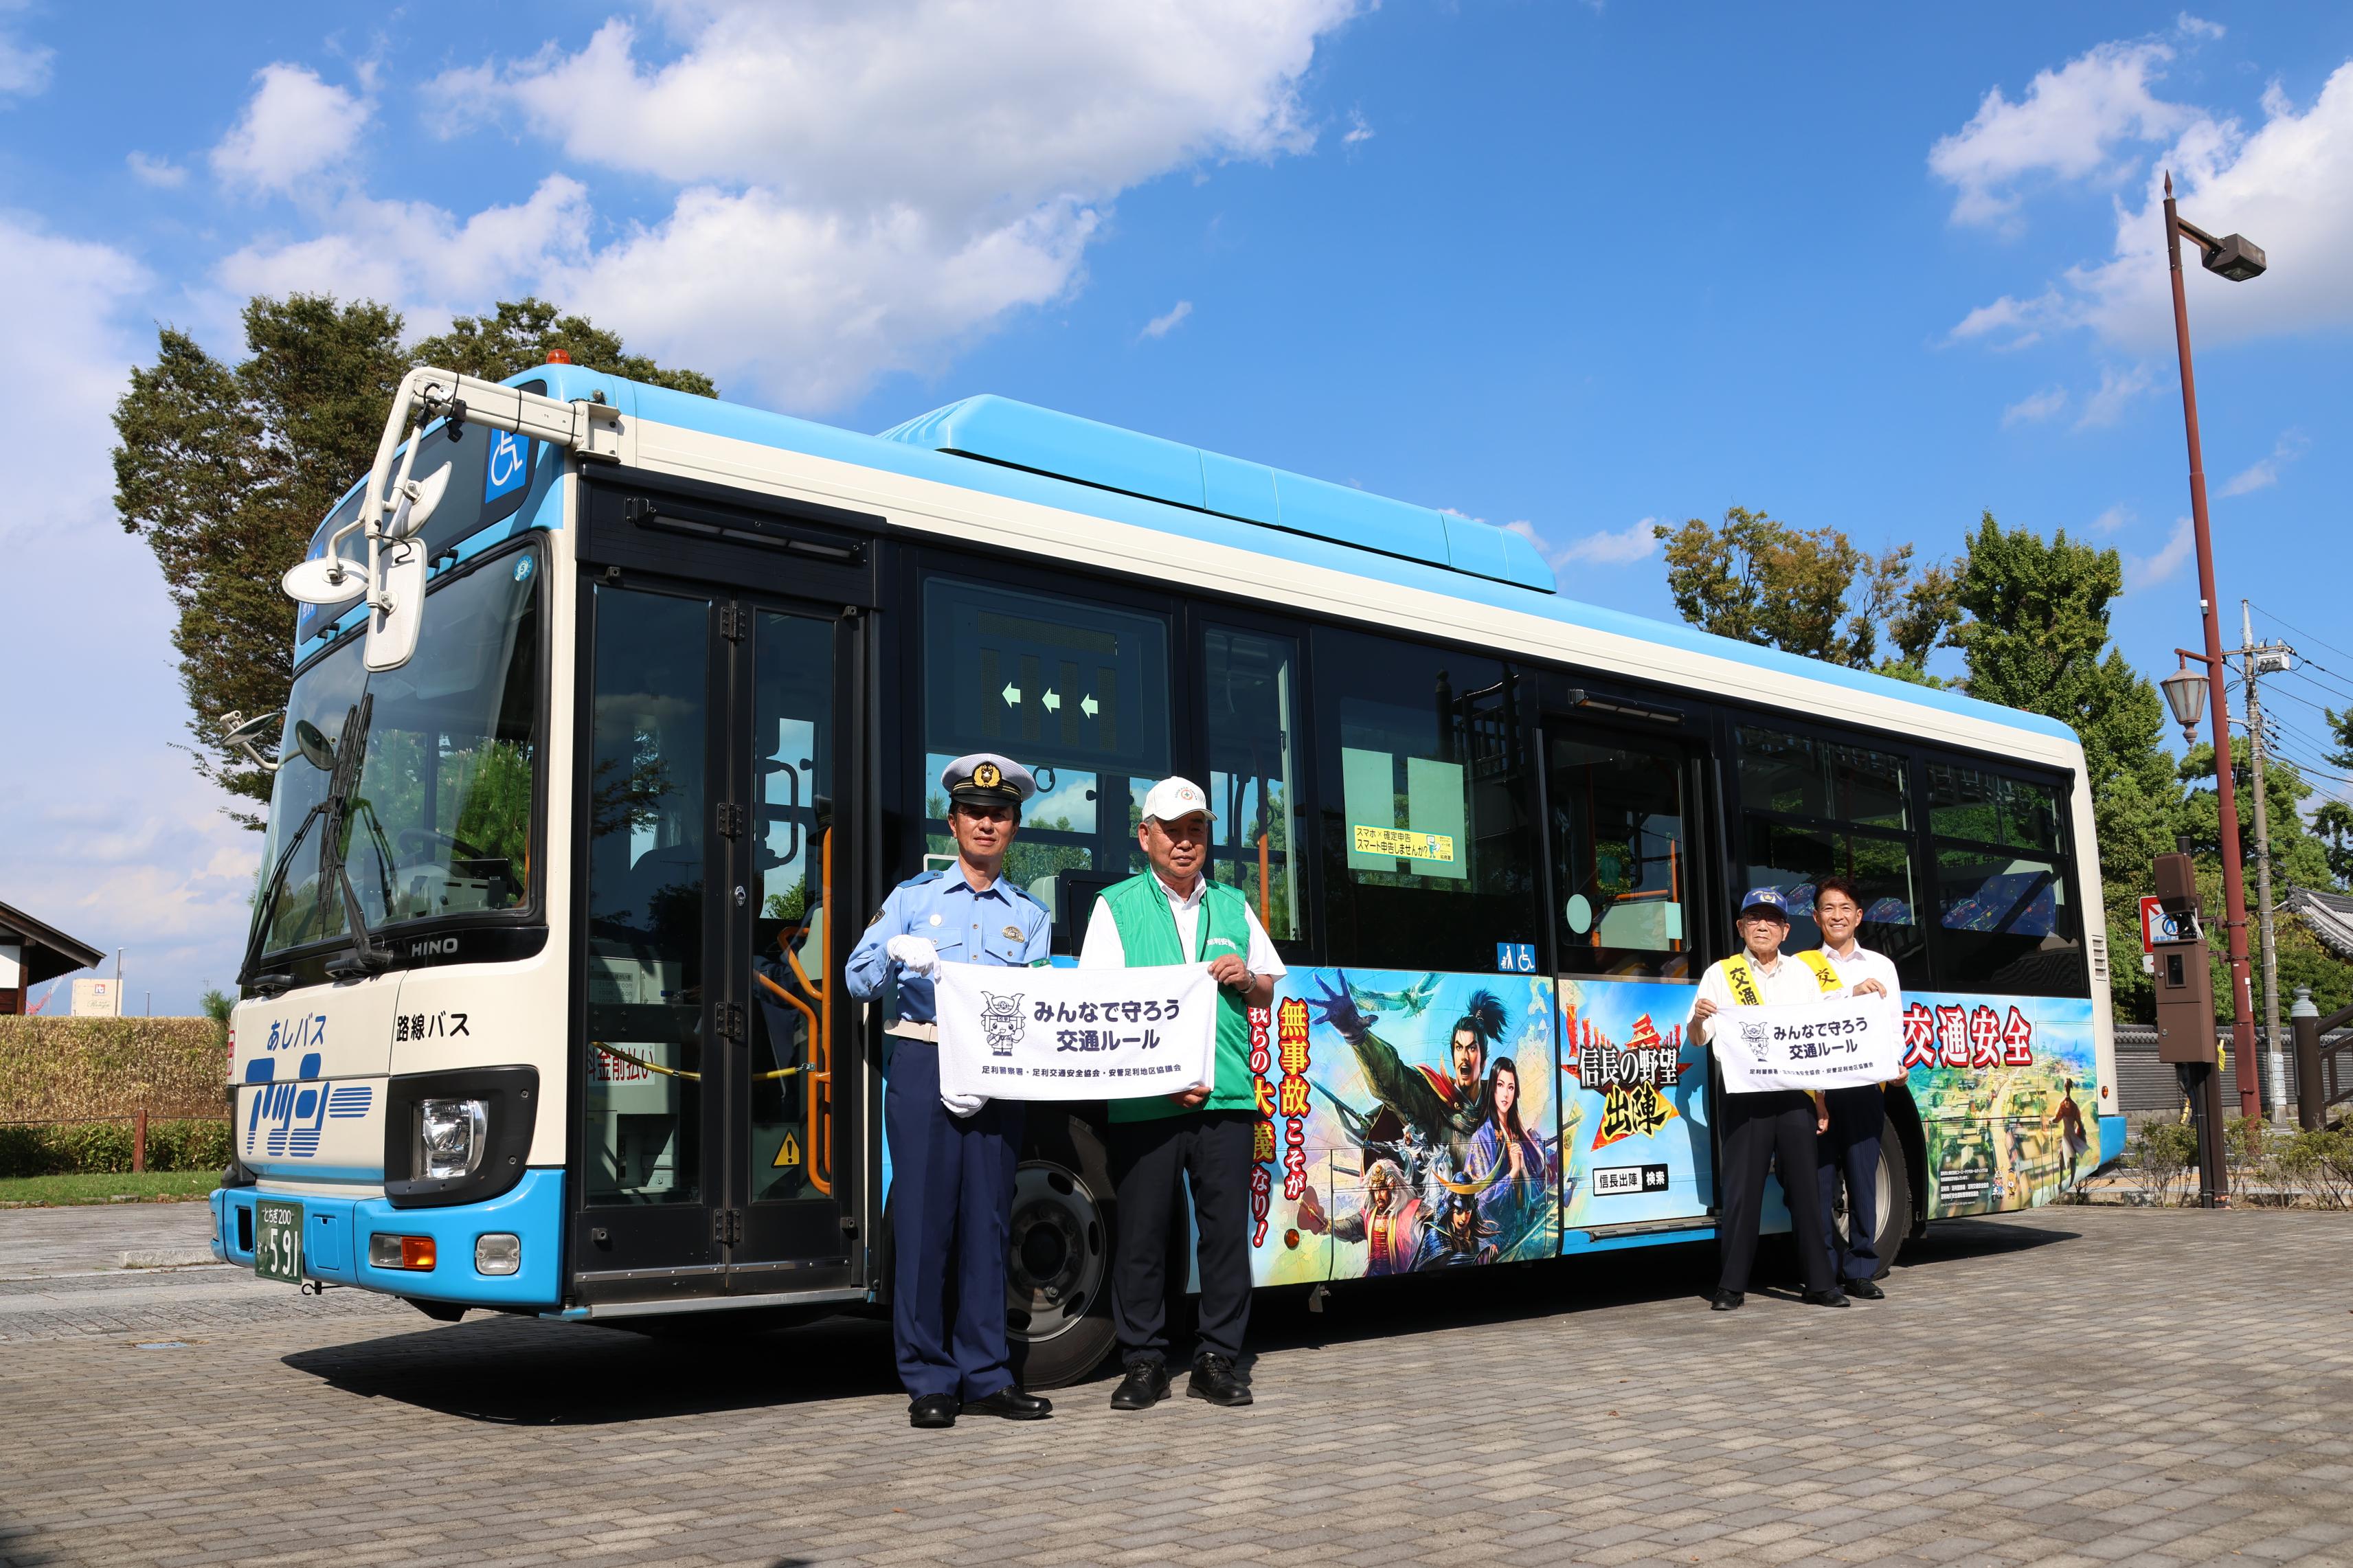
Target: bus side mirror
x=392 y=632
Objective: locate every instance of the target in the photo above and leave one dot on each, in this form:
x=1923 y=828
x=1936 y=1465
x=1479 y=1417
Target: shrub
x=2319 y=1166
x=2161 y=1157
x=67 y=1148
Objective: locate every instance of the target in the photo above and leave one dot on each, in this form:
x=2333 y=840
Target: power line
x=2301 y=632
x=2333 y=677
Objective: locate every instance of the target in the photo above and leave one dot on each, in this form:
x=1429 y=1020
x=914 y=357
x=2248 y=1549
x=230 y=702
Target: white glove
x=961 y=1104
x=915 y=954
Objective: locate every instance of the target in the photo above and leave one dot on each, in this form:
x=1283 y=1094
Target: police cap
x=985 y=778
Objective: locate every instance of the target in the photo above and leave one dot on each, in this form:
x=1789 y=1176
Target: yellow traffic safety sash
x=1743 y=979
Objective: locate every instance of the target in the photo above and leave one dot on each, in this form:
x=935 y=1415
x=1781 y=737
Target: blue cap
x=1765 y=899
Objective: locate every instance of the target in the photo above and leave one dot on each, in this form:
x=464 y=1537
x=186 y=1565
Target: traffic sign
x=2156 y=926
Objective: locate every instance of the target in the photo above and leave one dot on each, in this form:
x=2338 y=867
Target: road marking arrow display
x=1087 y=705
x=1012 y=695
x=1051 y=701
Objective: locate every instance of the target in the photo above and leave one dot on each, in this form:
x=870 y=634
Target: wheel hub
x=1056 y=1260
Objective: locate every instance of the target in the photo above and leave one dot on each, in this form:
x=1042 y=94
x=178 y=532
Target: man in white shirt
x=1780 y=1122
x=1849 y=1144
x=1173 y=914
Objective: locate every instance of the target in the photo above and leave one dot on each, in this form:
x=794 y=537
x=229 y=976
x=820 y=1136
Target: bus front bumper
x=336 y=1234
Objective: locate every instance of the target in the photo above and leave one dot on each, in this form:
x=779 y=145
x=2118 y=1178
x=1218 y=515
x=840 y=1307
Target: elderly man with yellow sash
x=1781 y=1123
x=1173 y=914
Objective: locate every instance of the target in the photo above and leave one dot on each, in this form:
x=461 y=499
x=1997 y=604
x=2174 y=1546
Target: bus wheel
x=1058 y=1268
x=1893 y=1211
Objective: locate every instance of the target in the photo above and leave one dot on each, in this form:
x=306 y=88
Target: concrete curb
x=168 y=1257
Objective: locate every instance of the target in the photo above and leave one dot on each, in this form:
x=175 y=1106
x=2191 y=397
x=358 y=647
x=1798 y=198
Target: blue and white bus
x=579 y=808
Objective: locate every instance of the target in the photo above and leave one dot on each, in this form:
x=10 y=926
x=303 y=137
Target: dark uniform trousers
x=1851 y=1149
x=1212 y=1150
x=1758 y=1129
x=950 y=1189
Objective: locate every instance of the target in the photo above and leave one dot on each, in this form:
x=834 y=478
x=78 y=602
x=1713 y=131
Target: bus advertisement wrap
x=2008 y=1097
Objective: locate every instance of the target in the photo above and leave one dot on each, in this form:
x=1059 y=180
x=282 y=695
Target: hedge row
x=86 y=1069
x=72 y=1148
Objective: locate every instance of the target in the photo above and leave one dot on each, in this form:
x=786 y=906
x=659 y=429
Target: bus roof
x=1013 y=449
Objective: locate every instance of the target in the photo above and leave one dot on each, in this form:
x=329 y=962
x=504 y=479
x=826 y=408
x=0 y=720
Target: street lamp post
x=2233 y=257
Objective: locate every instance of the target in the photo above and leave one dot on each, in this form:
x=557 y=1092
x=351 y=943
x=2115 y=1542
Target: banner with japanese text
x=1075 y=1033
x=1834 y=1044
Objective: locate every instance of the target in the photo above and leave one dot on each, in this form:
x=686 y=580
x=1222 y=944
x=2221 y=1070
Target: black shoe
x=1833 y=1297
x=1012 y=1403
x=1726 y=1301
x=1146 y=1385
x=1868 y=1289
x=1215 y=1380
x=932 y=1410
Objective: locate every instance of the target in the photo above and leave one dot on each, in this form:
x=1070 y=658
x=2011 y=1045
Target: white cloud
x=113 y=838
x=1360 y=130
x=422 y=256
x=161 y=172
x=2118 y=389
x=294 y=126
x=2287 y=185
x=23 y=67
x=1161 y=326
x=2265 y=473
x=865 y=187
x=2068 y=126
x=2114 y=518
x=2191 y=26
x=2147 y=571
x=2035 y=406
x=1626 y=545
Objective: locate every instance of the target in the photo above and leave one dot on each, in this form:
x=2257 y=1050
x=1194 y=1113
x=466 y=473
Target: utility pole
x=2256 y=662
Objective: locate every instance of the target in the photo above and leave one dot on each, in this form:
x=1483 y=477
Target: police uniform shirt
x=1105 y=949
x=1791 y=983
x=999 y=924
x=1860 y=963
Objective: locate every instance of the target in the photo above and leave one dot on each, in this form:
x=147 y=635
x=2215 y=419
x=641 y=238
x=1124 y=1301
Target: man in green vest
x=1175 y=913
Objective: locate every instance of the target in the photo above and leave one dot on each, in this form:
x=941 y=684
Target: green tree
x=2300 y=857
x=225 y=470
x=2035 y=636
x=1807 y=592
x=520 y=333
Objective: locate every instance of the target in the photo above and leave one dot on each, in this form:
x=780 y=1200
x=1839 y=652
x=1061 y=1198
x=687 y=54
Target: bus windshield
x=439 y=821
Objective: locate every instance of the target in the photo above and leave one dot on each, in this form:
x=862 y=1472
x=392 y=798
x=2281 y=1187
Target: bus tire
x=1058 y=1253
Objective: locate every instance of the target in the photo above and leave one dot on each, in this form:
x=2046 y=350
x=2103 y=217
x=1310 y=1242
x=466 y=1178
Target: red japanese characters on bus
x=1291 y=1094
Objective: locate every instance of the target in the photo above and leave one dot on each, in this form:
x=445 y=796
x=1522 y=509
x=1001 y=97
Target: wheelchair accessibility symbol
x=510 y=465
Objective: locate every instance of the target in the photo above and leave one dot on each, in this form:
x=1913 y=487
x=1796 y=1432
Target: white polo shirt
x=1104 y=950
x=1791 y=983
x=1858 y=962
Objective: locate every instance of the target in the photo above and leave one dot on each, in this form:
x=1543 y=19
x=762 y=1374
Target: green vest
x=1147 y=934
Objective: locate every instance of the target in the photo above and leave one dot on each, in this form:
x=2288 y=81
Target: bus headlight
x=450 y=1136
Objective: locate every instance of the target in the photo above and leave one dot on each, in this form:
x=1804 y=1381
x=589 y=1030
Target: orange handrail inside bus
x=819 y=1082
x=1265 y=915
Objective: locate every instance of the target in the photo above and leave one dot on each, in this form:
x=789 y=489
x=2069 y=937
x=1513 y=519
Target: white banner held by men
x=1075 y=1033
x=1836 y=1043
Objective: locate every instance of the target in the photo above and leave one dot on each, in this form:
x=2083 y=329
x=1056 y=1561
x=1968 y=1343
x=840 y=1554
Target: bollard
x=2311 y=1108
x=139 y=1142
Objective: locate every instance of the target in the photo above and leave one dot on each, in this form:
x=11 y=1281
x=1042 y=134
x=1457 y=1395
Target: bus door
x=721 y=772
x=1632 y=878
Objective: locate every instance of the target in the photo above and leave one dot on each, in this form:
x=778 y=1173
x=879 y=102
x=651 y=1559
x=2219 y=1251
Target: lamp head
x=2185 y=692
x=2234 y=257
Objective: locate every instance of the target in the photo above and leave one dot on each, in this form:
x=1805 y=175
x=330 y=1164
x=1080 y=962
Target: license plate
x=278 y=1241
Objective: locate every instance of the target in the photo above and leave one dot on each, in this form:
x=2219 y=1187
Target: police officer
x=1173 y=914
x=952 y=1160
x=1775 y=1122
x=1850 y=1145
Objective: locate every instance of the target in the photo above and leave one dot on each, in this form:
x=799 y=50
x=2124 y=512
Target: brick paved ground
x=2074 y=1386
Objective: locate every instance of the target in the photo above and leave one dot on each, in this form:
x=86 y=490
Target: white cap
x=1172 y=798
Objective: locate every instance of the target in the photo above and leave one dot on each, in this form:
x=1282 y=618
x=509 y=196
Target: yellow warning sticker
x=1405 y=845
x=788 y=1152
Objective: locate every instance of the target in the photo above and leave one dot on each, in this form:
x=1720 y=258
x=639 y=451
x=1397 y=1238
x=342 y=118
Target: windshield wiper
x=267 y=906
x=368 y=956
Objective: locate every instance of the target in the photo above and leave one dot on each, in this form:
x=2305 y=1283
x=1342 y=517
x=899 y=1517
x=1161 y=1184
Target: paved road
x=2074 y=1386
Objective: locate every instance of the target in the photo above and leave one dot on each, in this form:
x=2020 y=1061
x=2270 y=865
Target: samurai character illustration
x=1509 y=1171
x=1446 y=1112
x=1389 y=1222
x=2072 y=1136
x=1460 y=1238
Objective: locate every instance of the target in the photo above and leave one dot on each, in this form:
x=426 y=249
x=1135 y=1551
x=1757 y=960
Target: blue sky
x=1568 y=267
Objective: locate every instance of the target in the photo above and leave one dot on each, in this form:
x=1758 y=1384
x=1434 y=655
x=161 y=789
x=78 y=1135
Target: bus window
x=1430 y=852
x=1815 y=809
x=1250 y=689
x=1621 y=863
x=1075 y=691
x=2005 y=922
x=640 y=1138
